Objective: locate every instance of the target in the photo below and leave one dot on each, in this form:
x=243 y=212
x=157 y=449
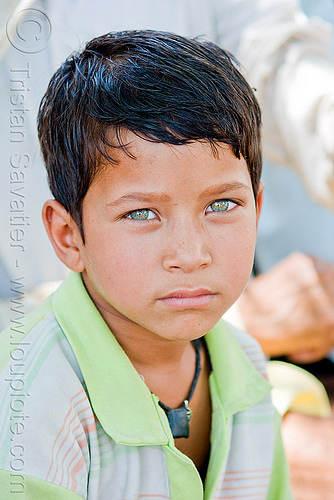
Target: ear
x=259 y=200
x=64 y=235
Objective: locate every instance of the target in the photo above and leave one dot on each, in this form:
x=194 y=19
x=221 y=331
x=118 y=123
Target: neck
x=167 y=366
x=144 y=348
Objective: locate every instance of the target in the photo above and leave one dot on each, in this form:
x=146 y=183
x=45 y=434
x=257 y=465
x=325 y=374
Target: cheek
x=133 y=256
x=235 y=255
x=121 y=266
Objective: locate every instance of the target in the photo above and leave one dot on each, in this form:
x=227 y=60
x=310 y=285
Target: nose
x=187 y=248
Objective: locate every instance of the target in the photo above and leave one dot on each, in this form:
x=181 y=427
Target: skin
x=289 y=309
x=169 y=246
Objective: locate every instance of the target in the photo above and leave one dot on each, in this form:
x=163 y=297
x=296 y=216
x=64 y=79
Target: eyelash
x=223 y=200
x=128 y=214
x=149 y=211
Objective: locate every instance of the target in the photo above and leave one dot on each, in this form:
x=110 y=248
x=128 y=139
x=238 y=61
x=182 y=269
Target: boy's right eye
x=143 y=214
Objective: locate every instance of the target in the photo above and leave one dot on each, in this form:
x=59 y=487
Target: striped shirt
x=78 y=422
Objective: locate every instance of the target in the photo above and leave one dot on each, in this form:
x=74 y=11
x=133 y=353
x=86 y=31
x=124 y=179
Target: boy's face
x=169 y=238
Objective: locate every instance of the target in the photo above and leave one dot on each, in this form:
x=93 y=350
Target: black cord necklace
x=180 y=417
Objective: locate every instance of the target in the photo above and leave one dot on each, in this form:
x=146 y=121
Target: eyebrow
x=224 y=188
x=142 y=197
x=162 y=197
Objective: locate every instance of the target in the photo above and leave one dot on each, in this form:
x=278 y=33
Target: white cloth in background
x=291 y=220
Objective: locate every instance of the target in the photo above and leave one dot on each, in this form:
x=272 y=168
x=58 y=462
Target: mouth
x=189 y=298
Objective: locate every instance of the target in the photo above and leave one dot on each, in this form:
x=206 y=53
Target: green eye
x=143 y=214
x=220 y=206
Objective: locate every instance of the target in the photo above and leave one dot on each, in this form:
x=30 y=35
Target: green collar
x=126 y=409
x=239 y=384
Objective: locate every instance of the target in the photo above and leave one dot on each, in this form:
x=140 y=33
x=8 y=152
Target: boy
x=130 y=386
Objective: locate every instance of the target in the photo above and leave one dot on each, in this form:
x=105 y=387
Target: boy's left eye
x=143 y=214
x=221 y=206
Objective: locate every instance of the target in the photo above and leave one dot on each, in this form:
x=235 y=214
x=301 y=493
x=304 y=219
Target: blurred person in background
x=289 y=306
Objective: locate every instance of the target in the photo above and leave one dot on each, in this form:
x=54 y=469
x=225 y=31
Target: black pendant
x=179 y=419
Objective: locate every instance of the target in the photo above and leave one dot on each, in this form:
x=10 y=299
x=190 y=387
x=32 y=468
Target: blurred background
x=286 y=49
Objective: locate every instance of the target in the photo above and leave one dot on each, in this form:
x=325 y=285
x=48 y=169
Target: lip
x=194 y=298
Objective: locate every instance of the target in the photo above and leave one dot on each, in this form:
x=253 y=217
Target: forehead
x=170 y=169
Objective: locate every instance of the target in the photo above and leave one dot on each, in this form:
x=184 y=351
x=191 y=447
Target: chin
x=193 y=327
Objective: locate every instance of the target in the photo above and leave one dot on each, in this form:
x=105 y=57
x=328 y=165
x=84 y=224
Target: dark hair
x=160 y=86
